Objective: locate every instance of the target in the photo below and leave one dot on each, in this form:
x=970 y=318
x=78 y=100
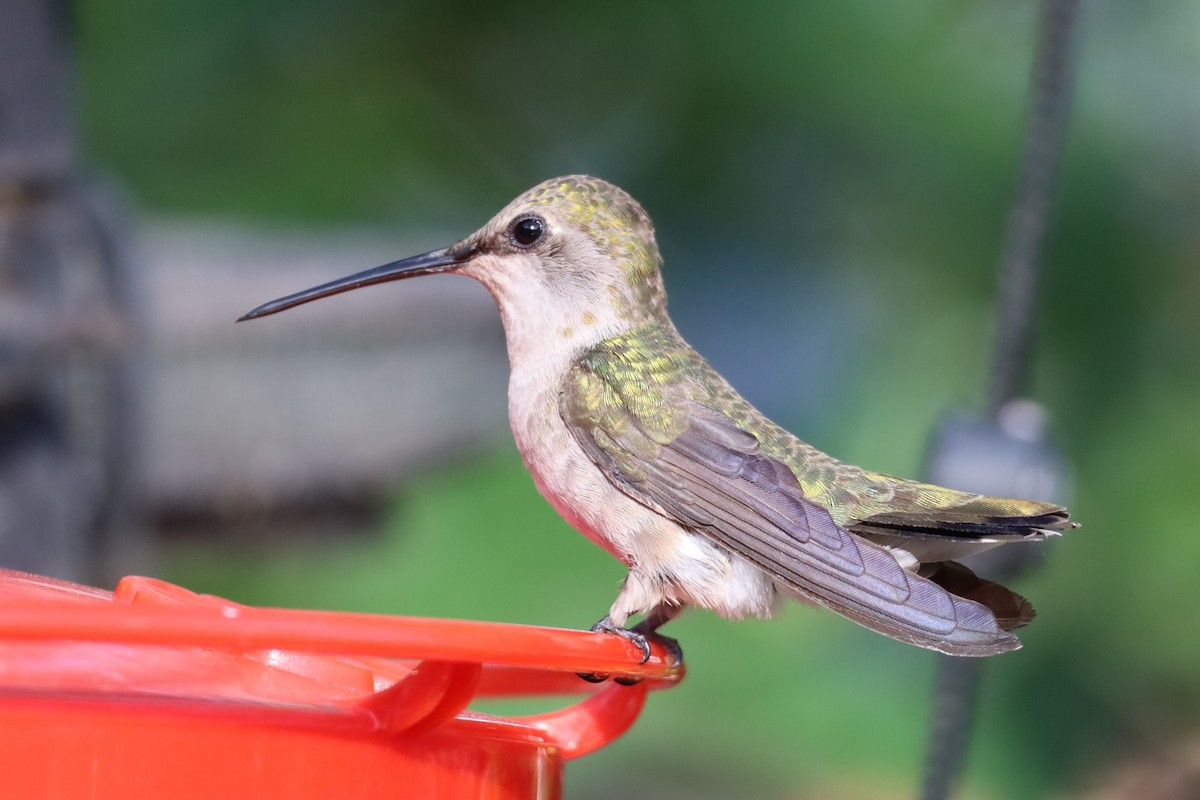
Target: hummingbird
x=650 y=453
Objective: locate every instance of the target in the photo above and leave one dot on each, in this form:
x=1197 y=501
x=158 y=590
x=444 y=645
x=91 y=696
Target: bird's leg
x=606 y=625
x=655 y=618
x=640 y=635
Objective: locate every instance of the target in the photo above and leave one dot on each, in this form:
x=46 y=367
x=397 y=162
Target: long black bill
x=424 y=264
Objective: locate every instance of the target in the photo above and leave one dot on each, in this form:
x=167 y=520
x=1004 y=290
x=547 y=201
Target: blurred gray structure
x=37 y=122
x=66 y=401
x=128 y=395
x=324 y=407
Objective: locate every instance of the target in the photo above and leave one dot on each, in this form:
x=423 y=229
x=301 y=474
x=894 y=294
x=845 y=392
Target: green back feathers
x=643 y=381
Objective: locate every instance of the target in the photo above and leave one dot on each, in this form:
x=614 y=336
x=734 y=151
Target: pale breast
x=564 y=474
x=687 y=567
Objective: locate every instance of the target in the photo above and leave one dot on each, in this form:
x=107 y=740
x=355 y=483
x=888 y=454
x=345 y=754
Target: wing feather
x=698 y=467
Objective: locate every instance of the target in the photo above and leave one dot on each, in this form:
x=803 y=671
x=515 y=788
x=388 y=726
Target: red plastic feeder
x=154 y=691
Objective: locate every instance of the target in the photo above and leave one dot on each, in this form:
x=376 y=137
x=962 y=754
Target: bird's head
x=573 y=256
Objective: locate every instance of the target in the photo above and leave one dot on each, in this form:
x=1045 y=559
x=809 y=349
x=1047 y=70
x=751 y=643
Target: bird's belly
x=678 y=565
x=575 y=487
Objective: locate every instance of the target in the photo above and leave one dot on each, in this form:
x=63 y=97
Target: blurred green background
x=829 y=183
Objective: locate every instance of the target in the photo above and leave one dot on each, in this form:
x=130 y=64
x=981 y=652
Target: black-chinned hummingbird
x=650 y=453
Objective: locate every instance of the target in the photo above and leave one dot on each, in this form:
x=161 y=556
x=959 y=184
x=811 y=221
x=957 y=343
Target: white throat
x=546 y=328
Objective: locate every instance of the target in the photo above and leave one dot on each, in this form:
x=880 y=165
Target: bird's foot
x=647 y=629
x=640 y=635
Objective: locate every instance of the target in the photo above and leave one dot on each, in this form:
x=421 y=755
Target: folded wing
x=693 y=464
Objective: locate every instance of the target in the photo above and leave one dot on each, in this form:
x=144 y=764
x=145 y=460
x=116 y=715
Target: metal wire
x=958 y=681
x=1049 y=107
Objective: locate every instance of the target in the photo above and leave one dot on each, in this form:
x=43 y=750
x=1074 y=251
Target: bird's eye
x=528 y=231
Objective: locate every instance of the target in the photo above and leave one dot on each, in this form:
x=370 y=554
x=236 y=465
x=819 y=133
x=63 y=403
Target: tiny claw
x=648 y=629
x=672 y=647
x=593 y=677
x=640 y=635
x=606 y=625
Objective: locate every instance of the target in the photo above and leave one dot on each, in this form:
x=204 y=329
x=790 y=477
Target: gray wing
x=695 y=465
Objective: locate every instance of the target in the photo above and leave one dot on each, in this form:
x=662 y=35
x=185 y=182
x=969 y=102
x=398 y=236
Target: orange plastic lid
x=155 y=691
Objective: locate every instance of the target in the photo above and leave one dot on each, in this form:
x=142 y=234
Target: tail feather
x=984 y=518
x=1012 y=610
